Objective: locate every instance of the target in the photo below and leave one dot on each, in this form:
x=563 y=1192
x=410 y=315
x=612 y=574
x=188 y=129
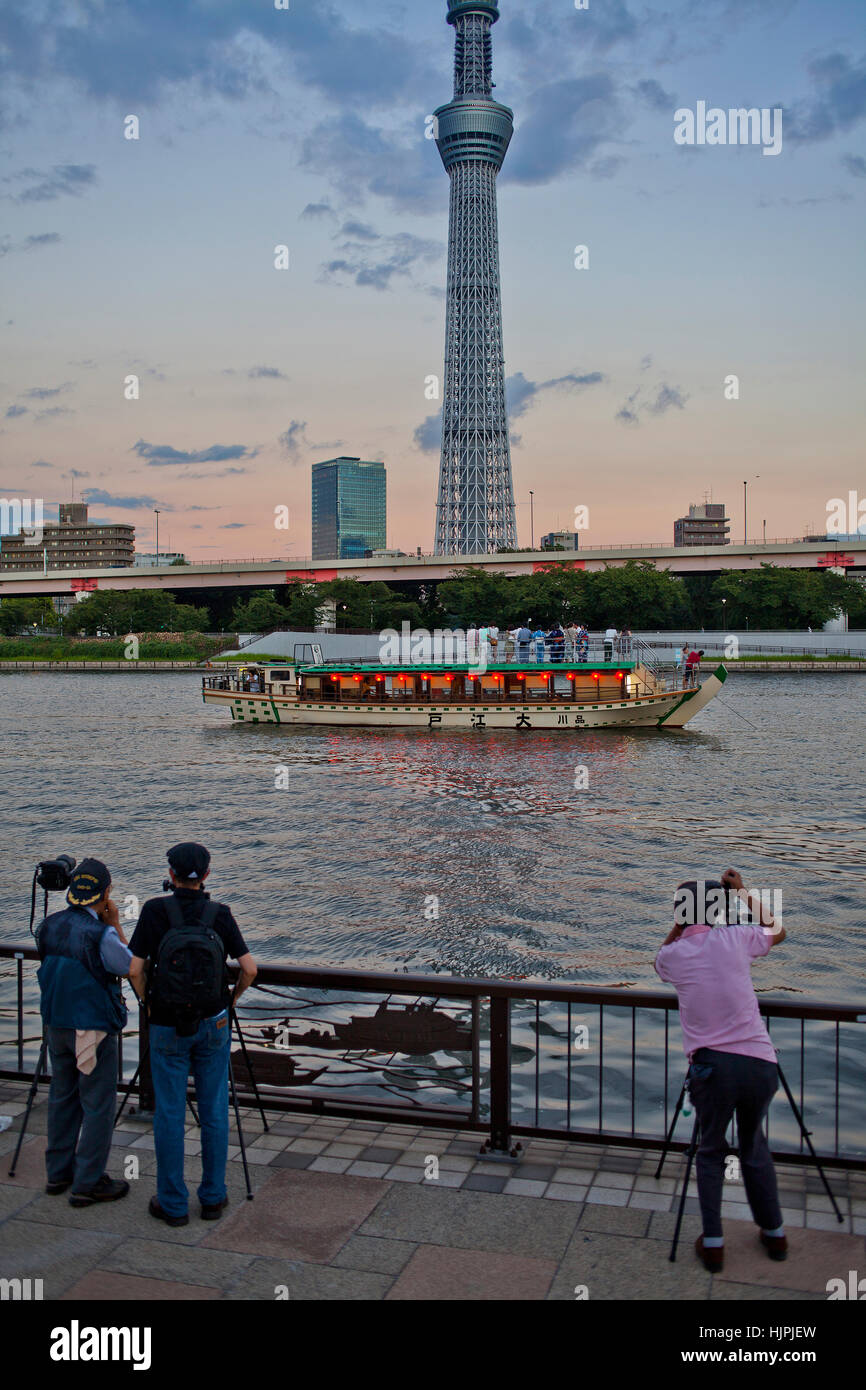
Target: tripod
x=234 y=1018
x=693 y=1146
x=232 y=1091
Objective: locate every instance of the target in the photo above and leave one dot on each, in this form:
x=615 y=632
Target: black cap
x=189 y=860
x=88 y=883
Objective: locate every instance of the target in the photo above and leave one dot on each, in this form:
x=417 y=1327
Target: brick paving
x=349 y=1209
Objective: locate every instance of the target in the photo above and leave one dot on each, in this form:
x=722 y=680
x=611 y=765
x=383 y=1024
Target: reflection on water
x=377 y=832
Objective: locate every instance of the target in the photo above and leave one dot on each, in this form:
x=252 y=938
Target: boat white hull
x=671 y=710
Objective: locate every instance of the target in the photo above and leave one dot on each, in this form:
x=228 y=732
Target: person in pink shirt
x=707 y=957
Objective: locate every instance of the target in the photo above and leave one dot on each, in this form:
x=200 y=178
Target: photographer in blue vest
x=185 y=939
x=84 y=954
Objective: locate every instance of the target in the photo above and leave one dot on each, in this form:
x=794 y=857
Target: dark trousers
x=80 y=1111
x=722 y=1084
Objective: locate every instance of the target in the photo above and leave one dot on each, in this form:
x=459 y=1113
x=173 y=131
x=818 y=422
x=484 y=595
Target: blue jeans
x=80 y=1111
x=206 y=1054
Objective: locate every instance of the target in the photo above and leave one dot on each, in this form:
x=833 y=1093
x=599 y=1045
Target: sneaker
x=214 y=1211
x=156 y=1210
x=713 y=1257
x=54 y=1189
x=775 y=1246
x=105 y=1190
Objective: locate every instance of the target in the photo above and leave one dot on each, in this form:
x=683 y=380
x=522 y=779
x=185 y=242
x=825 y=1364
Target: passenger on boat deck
x=538 y=641
x=556 y=638
x=582 y=644
x=510 y=645
x=524 y=637
x=572 y=632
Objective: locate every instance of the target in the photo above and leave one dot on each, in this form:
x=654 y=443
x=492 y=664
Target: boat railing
x=509 y=1058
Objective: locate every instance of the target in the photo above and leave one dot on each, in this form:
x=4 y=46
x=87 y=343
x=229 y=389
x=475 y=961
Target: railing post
x=499 y=1143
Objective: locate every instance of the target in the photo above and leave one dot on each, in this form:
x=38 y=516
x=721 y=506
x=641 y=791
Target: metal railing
x=516 y=1059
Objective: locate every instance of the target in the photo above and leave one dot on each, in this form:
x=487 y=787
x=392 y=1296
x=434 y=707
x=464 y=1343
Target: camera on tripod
x=55 y=875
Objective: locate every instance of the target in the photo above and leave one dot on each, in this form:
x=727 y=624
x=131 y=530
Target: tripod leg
x=30 y=1099
x=193 y=1111
x=236 y=1022
x=806 y=1133
x=689 y=1158
x=670 y=1133
x=240 y=1131
x=122 y=1106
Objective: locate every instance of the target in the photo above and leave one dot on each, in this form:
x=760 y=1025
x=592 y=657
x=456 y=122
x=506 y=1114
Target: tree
x=260 y=613
x=18 y=613
x=146 y=610
x=772 y=597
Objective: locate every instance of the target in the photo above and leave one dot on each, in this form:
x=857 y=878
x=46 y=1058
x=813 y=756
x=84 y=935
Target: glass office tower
x=349 y=508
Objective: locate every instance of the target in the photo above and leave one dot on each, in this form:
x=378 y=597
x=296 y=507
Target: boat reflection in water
x=411 y=1029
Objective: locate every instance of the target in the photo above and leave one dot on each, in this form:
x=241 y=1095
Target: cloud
x=255 y=373
x=44 y=393
x=15 y=410
x=42 y=187
x=838 y=104
x=360 y=159
x=567 y=121
x=428 y=435
x=665 y=398
x=855 y=164
x=162 y=455
x=30 y=243
x=294 y=439
x=41 y=463
x=53 y=412
x=95 y=496
x=314 y=212
x=233 y=525
x=520 y=393
x=394 y=256
x=653 y=94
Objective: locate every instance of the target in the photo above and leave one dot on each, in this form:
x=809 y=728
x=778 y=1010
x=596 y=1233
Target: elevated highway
x=229 y=574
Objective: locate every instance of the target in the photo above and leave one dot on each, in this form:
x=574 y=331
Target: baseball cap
x=88 y=883
x=188 y=860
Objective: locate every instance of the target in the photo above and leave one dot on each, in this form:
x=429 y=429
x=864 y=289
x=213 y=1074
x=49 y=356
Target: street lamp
x=156 y=513
x=746 y=482
x=531 y=520
x=724 y=601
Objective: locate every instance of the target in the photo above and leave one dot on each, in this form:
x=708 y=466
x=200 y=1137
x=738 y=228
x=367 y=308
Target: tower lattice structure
x=475 y=508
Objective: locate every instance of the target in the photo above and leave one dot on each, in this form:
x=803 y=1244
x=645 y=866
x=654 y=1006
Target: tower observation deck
x=475 y=508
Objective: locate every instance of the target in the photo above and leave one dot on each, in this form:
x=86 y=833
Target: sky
x=305 y=127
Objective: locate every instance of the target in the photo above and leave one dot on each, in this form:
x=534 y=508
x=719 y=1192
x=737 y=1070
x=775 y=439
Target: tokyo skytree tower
x=475 y=510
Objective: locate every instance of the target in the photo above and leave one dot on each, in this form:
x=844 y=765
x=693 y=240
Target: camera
x=55 y=875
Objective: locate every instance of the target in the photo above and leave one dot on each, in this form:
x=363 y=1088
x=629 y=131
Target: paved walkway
x=357 y=1210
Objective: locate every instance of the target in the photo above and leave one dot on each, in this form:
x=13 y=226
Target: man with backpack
x=186 y=938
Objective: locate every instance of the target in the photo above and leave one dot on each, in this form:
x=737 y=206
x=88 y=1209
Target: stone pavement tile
x=402 y=1173
x=620 y=1163
x=795 y=1201
x=30 y=1168
x=442 y=1274
x=615 y=1221
x=56 y=1255
x=604 y=1178
x=566 y=1192
x=329 y=1165
x=299 y=1215
x=306 y=1146
x=14 y=1199
x=858 y=1225
x=814 y=1257
x=374 y=1254
x=826 y=1221
x=446 y=1178
x=725 y=1289
x=100 y=1285
x=484 y=1182
x=650 y=1201
x=308 y=1283
x=627 y=1268
x=362 y=1169
x=473 y=1220
x=525 y=1187
x=792 y=1217
x=288 y=1128
x=159 y=1259
x=260 y=1156
x=379 y=1153
x=469 y=1148
x=292 y=1160
x=819 y=1201
x=654 y=1185
x=278 y=1142
x=343 y=1150
x=662 y=1223
x=583 y=1176
x=535 y=1172
x=455 y=1163
x=608 y=1196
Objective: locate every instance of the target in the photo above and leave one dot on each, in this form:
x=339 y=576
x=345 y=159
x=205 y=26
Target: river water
x=470 y=853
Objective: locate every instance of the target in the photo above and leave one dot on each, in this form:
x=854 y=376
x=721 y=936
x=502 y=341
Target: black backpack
x=190 y=967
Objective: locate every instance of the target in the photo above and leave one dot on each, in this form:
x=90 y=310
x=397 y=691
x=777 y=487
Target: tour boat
x=624 y=693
